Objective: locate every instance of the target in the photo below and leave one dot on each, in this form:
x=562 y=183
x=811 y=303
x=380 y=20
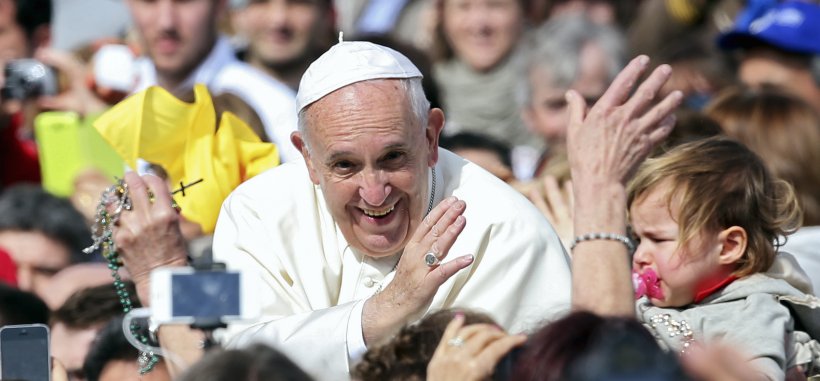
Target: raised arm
x=606 y=144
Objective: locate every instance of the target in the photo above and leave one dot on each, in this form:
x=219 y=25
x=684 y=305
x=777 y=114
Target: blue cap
x=792 y=26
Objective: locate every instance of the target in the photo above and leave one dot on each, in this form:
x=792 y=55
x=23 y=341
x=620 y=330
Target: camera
x=186 y=296
x=28 y=78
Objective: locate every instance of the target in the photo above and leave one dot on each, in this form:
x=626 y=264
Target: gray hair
x=412 y=89
x=556 y=48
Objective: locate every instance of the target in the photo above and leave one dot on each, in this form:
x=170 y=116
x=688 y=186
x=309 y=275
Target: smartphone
x=24 y=352
x=68 y=145
x=185 y=295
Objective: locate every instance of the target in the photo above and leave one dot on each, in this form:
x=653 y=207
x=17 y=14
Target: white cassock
x=312 y=286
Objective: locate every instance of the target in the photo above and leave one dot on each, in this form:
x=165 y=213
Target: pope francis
x=377 y=227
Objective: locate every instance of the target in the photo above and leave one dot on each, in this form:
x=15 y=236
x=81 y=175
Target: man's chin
x=380 y=251
x=380 y=246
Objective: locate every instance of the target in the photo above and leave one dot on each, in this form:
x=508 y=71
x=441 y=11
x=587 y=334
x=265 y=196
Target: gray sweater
x=765 y=318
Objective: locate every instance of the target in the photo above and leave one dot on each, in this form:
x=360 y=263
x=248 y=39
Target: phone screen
x=24 y=353
x=208 y=294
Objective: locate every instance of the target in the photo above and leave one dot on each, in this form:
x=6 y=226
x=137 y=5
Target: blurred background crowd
x=748 y=69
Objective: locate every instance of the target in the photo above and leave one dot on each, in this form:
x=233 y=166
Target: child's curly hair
x=718 y=183
x=405 y=356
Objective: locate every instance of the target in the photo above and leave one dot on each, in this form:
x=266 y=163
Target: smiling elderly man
x=353 y=243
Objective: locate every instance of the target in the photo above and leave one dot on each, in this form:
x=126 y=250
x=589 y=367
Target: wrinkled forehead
x=360 y=101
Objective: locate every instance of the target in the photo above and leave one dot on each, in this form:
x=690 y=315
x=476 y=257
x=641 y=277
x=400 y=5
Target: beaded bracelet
x=607 y=236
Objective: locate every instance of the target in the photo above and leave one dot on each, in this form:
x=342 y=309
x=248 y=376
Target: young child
x=708 y=216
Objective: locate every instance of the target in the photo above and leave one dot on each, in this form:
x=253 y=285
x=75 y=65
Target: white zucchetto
x=350 y=62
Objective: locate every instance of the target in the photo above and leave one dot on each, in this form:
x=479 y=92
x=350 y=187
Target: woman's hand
x=471 y=352
x=607 y=143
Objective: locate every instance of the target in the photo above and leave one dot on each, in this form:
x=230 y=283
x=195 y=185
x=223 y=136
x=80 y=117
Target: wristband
x=630 y=245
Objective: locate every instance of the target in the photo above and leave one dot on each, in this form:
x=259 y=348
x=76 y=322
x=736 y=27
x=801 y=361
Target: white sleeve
x=355 y=337
x=316 y=340
x=304 y=323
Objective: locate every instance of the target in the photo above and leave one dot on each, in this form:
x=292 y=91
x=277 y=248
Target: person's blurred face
x=13 y=41
x=482 y=32
x=70 y=346
x=763 y=66
x=282 y=31
x=37 y=257
x=176 y=34
x=370 y=157
x=547 y=113
x=682 y=271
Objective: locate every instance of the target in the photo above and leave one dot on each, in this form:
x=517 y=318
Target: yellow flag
x=183 y=139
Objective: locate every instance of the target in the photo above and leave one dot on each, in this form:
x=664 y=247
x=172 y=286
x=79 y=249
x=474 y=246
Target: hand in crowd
x=77 y=97
x=58 y=372
x=605 y=146
x=556 y=203
x=470 y=352
x=148 y=235
x=607 y=142
x=416 y=282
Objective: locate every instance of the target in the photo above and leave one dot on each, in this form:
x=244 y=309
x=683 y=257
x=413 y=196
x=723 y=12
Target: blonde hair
x=784 y=130
x=718 y=183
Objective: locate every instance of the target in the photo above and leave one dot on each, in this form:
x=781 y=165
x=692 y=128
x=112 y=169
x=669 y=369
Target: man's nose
x=166 y=14
x=374 y=188
x=478 y=16
x=277 y=12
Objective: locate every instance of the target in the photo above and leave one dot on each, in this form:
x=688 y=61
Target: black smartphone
x=24 y=353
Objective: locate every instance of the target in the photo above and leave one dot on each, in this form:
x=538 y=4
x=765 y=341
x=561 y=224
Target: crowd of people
x=419 y=189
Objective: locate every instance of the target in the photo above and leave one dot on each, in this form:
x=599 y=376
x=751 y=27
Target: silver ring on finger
x=431 y=259
x=456 y=342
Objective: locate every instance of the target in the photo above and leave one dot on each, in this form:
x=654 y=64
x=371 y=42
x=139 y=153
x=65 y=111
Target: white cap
x=350 y=62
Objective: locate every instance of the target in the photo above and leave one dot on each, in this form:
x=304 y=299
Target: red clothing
x=18 y=155
x=8 y=270
x=709 y=290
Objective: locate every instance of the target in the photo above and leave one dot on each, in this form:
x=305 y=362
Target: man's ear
x=435 y=123
x=733 y=242
x=299 y=142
